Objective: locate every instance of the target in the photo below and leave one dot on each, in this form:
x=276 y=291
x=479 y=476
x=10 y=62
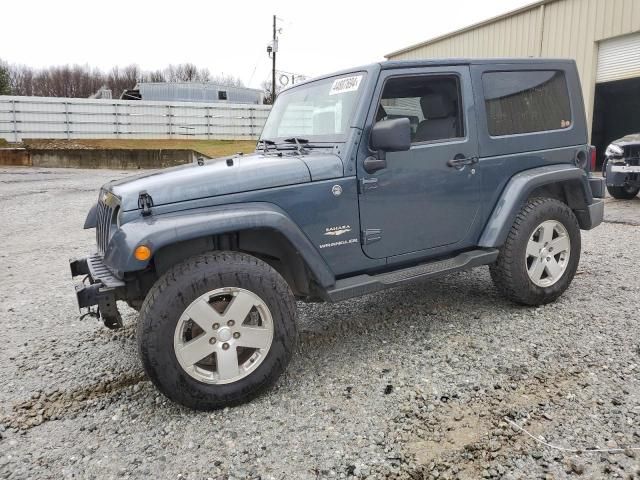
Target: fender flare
x=92 y=217
x=517 y=191
x=163 y=230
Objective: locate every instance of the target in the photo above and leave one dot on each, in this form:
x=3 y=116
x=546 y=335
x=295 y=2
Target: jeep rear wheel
x=541 y=254
x=625 y=192
x=217 y=329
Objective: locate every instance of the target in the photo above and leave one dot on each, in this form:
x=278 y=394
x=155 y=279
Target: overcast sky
x=228 y=36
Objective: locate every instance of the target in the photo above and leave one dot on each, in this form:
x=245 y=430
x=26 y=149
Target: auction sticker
x=345 y=84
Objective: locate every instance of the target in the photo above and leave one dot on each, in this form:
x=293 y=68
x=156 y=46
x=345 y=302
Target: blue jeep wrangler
x=362 y=180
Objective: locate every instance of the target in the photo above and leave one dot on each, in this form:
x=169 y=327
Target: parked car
x=621 y=167
x=339 y=201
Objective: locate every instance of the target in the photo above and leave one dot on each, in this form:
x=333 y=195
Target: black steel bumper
x=99 y=287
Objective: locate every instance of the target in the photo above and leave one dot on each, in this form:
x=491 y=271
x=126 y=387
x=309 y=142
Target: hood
x=631 y=139
x=224 y=176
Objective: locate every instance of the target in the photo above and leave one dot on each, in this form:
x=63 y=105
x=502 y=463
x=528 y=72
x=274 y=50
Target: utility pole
x=273 y=62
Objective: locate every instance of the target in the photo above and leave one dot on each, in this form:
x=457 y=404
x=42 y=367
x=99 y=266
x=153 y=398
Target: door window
x=431 y=103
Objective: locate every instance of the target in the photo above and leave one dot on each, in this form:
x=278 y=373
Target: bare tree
x=266 y=88
x=228 y=80
x=121 y=79
x=5 y=81
x=83 y=81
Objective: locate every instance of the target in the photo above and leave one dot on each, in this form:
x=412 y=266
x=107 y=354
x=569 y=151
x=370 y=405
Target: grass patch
x=210 y=148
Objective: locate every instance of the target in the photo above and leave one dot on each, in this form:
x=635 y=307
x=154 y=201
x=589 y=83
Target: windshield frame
x=327 y=138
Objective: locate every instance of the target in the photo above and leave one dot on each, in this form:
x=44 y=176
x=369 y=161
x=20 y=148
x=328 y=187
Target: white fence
x=74 y=118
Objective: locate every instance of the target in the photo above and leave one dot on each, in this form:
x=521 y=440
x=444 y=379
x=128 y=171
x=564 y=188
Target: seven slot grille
x=107 y=206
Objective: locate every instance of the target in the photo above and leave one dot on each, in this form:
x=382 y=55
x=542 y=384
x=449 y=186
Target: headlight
x=614 y=150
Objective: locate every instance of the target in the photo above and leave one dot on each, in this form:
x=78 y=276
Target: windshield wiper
x=266 y=142
x=298 y=141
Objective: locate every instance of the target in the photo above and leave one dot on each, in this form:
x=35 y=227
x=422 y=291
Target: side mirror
x=391 y=135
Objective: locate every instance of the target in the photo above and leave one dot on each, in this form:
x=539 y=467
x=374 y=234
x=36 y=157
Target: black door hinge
x=371 y=235
x=368 y=184
x=145 y=202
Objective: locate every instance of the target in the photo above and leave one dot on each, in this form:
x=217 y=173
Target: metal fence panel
x=45 y=117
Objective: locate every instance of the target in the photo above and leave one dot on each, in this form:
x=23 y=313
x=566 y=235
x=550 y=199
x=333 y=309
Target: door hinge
x=371 y=235
x=145 y=202
x=368 y=184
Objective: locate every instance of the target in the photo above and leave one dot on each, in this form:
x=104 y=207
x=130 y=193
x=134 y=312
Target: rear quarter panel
x=503 y=157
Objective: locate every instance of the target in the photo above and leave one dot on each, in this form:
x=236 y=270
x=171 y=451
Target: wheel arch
x=566 y=183
x=261 y=229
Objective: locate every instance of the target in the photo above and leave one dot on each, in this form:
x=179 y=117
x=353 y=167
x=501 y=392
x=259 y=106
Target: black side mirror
x=391 y=135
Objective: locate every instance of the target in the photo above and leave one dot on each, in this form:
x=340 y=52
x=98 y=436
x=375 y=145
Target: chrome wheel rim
x=223 y=335
x=548 y=252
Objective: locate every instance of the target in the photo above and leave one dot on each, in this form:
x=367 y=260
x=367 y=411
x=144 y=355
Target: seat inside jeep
x=431 y=103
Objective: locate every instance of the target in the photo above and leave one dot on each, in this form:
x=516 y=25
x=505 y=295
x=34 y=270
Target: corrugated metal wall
x=518 y=35
x=46 y=117
x=560 y=29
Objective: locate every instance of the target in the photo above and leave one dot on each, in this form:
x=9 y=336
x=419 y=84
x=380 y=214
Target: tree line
x=82 y=81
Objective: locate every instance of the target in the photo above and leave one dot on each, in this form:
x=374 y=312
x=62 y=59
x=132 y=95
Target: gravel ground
x=414 y=382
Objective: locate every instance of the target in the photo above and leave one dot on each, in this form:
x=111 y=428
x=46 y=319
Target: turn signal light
x=142 y=253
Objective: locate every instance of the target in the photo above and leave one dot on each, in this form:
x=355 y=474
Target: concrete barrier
x=114 y=159
x=15 y=157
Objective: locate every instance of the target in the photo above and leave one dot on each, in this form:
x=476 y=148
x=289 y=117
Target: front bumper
x=621 y=174
x=98 y=288
x=625 y=168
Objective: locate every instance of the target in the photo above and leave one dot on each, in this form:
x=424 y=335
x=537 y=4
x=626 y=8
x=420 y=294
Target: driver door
x=426 y=199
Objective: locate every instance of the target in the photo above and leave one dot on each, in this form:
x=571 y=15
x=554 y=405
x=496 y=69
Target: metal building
x=602 y=36
x=205 y=92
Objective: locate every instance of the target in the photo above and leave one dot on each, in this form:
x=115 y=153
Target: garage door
x=619 y=58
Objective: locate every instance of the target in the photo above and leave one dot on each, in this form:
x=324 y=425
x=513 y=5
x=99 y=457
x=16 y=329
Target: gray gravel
x=414 y=382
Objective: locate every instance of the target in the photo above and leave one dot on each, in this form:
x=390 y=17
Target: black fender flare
x=160 y=231
x=518 y=190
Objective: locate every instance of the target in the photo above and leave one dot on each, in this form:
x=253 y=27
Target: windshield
x=318 y=111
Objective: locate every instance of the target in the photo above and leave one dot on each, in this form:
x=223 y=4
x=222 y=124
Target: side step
x=364 y=284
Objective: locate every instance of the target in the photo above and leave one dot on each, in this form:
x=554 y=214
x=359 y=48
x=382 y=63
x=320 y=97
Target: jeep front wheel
x=625 y=192
x=217 y=329
x=541 y=254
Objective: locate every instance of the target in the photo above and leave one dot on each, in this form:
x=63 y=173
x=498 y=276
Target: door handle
x=459 y=161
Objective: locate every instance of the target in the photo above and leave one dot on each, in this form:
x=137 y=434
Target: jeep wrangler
x=621 y=167
x=361 y=180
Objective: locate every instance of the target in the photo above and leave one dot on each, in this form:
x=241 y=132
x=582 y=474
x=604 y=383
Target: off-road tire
x=174 y=292
x=509 y=272
x=625 y=192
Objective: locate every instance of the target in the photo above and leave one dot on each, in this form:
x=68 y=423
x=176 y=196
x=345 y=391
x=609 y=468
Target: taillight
x=593 y=158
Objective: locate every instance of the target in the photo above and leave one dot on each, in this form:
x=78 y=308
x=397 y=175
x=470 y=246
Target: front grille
x=107 y=207
x=632 y=154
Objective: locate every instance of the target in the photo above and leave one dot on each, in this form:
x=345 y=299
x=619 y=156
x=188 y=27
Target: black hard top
x=466 y=61
x=391 y=64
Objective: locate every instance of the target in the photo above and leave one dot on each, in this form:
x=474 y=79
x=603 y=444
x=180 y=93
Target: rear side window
x=526 y=101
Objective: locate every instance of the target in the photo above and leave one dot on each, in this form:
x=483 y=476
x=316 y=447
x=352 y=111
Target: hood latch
x=145 y=202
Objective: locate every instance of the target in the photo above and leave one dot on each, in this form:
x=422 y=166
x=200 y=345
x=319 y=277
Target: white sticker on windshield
x=346 y=84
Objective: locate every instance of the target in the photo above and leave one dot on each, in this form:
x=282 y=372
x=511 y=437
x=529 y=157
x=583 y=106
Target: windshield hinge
x=145 y=202
x=371 y=235
x=368 y=184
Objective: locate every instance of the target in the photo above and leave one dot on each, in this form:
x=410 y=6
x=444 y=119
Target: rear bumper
x=593 y=215
x=597 y=185
x=99 y=287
